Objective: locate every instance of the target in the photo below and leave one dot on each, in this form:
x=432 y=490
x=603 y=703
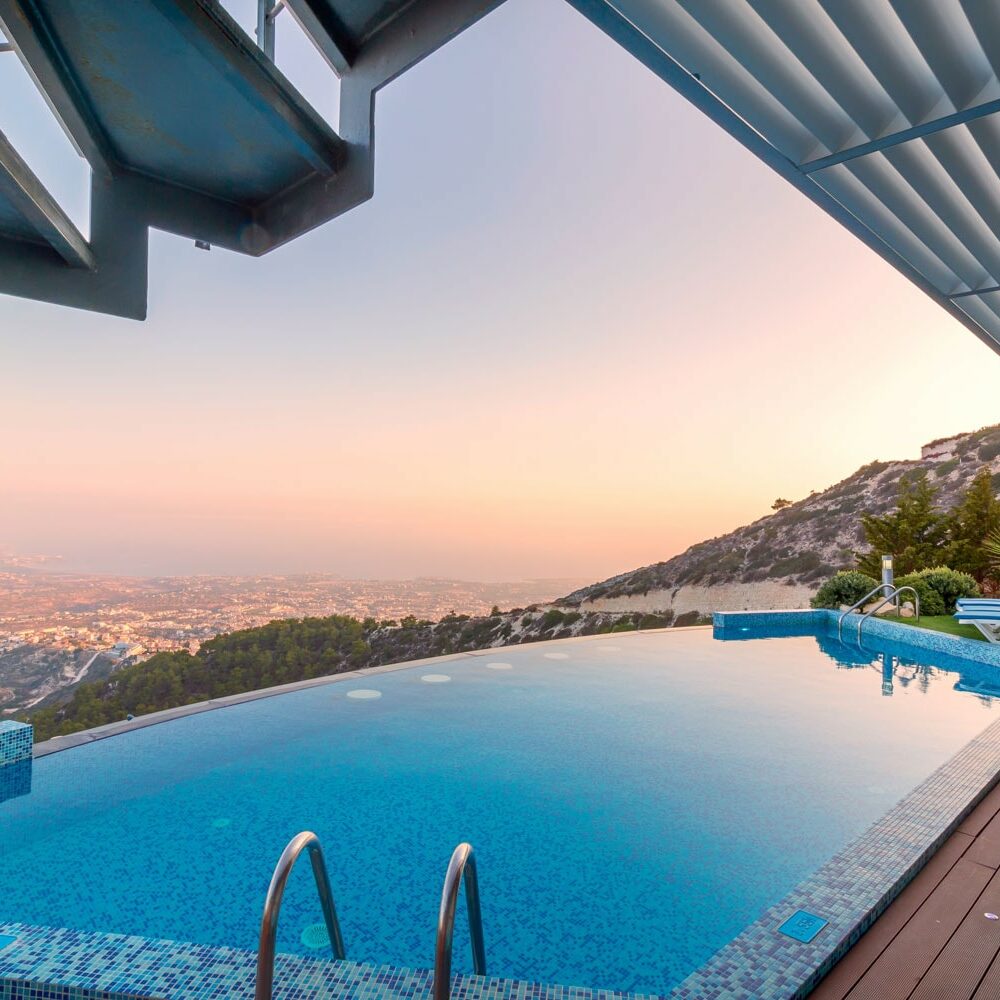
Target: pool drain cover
x=803 y=926
x=315 y=936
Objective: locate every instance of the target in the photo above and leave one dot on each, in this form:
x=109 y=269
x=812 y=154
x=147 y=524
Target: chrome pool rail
x=858 y=604
x=885 y=600
x=462 y=864
x=305 y=841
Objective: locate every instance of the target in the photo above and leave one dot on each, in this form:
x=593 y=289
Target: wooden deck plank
x=962 y=963
x=989 y=988
x=975 y=822
x=897 y=971
x=986 y=849
x=838 y=983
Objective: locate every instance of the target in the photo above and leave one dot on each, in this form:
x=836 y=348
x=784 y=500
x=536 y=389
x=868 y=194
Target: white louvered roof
x=886 y=112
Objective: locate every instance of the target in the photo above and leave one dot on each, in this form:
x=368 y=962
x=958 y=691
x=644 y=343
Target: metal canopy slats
x=887 y=110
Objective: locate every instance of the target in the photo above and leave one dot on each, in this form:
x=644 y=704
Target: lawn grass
x=941 y=623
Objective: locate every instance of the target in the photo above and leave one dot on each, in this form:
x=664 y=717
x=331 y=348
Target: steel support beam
x=905 y=135
x=39 y=53
x=325 y=32
x=404 y=41
x=119 y=238
x=40 y=210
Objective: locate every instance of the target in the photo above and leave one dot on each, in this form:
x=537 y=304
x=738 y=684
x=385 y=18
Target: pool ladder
x=462 y=867
x=893 y=596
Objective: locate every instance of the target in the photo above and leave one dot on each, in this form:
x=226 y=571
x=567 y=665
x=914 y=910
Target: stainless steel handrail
x=272 y=906
x=858 y=604
x=885 y=601
x=463 y=863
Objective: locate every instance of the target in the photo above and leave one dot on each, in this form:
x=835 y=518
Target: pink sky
x=578 y=329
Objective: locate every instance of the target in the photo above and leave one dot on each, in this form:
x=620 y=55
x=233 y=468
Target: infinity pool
x=634 y=801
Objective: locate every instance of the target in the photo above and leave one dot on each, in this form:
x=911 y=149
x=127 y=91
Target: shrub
x=989 y=451
x=931 y=602
x=845 y=588
x=804 y=562
x=947 y=583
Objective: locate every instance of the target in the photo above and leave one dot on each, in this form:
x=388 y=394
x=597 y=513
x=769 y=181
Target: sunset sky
x=577 y=329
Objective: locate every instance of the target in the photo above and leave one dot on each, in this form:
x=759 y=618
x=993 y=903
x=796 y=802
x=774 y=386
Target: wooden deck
x=934 y=942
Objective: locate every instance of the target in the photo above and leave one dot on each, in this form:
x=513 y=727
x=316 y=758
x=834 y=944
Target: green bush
x=845 y=588
x=931 y=602
x=948 y=584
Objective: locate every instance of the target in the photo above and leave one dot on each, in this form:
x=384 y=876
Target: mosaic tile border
x=15 y=742
x=758 y=624
x=59 y=964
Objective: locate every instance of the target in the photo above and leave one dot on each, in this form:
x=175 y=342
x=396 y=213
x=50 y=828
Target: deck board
x=934 y=940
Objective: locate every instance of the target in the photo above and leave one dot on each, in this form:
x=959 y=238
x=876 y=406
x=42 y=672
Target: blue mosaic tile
x=15 y=780
x=16 y=739
x=59 y=964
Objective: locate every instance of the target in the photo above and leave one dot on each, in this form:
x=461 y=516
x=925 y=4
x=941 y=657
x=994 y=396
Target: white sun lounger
x=984 y=615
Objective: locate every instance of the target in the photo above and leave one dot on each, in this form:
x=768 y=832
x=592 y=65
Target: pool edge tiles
x=62 y=964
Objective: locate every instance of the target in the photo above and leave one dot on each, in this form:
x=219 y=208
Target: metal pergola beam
x=905 y=135
x=974 y=291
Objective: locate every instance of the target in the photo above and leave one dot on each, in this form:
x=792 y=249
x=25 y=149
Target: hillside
x=780 y=560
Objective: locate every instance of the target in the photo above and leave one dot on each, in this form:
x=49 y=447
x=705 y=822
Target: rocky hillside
x=780 y=560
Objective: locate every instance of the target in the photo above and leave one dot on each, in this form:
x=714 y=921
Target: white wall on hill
x=761 y=596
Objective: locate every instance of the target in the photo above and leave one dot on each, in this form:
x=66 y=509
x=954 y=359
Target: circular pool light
x=315 y=936
x=499 y=666
x=556 y=656
x=364 y=694
x=435 y=678
x=991 y=916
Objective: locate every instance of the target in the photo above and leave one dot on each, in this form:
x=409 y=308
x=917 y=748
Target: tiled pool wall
x=15 y=759
x=761 y=624
x=846 y=895
x=15 y=742
x=41 y=963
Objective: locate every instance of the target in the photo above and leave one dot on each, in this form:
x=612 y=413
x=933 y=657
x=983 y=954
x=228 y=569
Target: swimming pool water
x=633 y=803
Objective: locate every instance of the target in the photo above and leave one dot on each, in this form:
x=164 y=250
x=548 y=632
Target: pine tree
x=915 y=533
x=974 y=520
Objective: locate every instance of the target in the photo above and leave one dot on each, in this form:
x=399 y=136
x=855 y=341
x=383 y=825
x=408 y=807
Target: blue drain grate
x=803 y=926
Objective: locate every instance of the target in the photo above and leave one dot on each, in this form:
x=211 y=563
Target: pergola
x=883 y=112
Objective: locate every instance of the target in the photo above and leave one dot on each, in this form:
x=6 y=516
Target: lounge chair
x=984 y=614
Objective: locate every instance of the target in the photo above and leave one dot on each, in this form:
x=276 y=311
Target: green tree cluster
x=919 y=536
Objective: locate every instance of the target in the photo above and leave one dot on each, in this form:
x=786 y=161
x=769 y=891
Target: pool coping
x=848 y=892
x=56 y=744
